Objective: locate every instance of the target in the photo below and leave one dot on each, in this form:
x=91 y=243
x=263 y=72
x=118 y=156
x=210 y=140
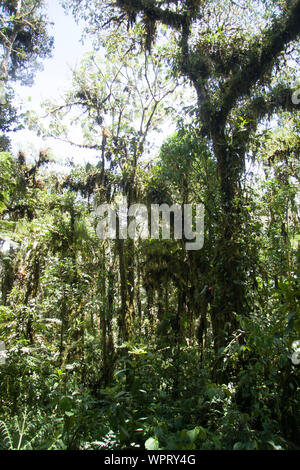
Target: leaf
x=123 y=433
x=239 y=446
x=274 y=446
x=152 y=444
x=192 y=435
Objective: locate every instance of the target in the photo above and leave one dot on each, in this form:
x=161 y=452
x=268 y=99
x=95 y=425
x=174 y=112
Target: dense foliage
x=117 y=344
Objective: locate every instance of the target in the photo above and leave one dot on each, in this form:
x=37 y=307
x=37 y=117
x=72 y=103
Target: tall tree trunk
x=228 y=267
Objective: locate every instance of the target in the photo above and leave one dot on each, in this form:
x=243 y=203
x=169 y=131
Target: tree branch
x=261 y=60
x=167 y=17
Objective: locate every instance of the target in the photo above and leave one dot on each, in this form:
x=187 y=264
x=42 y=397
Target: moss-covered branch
x=261 y=59
x=148 y=8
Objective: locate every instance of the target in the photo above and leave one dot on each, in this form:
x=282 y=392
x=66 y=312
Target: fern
x=22 y=434
x=5 y=436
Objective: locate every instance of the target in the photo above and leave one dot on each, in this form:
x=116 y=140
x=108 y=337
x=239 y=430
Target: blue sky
x=51 y=82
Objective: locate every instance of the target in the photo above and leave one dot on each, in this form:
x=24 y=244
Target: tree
x=23 y=41
x=118 y=101
x=232 y=55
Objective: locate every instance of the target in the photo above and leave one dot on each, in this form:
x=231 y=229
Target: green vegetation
x=117 y=344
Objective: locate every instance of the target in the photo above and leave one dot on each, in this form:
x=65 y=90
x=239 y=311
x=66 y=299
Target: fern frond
x=7 y=437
